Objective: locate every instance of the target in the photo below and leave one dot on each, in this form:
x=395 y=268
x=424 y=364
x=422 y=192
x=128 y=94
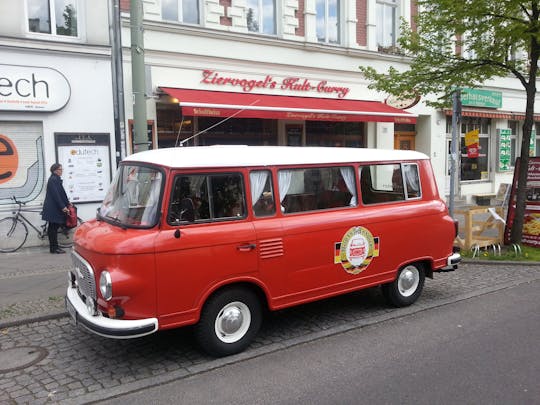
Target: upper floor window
x=328 y=21
x=387 y=19
x=186 y=11
x=56 y=17
x=261 y=16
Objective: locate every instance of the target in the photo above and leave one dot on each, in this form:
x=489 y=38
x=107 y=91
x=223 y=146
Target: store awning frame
x=503 y=115
x=219 y=104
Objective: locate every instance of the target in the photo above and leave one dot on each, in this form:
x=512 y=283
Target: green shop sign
x=505 y=149
x=481 y=98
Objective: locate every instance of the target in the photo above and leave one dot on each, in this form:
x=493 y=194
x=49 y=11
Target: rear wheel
x=13 y=233
x=65 y=235
x=229 y=321
x=407 y=287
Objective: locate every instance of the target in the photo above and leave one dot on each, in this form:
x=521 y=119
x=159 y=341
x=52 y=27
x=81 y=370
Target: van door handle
x=246 y=248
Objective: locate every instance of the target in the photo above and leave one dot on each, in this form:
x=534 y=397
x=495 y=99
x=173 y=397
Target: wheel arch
x=250 y=284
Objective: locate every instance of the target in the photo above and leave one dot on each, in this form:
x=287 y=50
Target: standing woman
x=55 y=207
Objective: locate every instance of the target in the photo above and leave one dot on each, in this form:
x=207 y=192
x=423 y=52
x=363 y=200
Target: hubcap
x=232 y=322
x=408 y=281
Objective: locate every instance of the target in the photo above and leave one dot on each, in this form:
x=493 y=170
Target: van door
x=206 y=240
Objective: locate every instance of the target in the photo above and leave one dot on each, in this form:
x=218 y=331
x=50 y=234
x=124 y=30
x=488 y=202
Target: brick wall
x=361 y=16
x=300 y=30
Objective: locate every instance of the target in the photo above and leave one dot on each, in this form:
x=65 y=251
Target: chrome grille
x=84 y=275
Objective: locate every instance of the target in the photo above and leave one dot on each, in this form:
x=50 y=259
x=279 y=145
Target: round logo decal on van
x=356 y=250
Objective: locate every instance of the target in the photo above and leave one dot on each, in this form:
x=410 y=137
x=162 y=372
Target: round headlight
x=105 y=285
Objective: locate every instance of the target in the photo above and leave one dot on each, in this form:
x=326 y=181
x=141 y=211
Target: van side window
x=389 y=182
x=317 y=188
x=262 y=194
x=205 y=197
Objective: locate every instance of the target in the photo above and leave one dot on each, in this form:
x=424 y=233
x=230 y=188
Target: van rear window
x=206 y=197
x=389 y=182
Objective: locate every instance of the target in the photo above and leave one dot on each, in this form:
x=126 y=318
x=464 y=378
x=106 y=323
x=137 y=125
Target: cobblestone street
x=71 y=366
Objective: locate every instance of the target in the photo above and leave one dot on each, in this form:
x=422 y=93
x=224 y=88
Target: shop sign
x=86 y=160
x=292 y=83
x=472 y=143
x=32 y=88
x=504 y=136
x=531 y=221
x=532 y=143
x=481 y=98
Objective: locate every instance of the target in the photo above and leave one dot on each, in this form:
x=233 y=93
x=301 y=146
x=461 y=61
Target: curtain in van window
x=348 y=176
x=258 y=180
x=412 y=180
x=284 y=179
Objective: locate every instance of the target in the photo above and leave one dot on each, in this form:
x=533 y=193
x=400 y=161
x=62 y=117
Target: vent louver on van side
x=271 y=248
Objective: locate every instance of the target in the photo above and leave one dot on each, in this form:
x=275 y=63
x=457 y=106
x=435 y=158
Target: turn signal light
x=115 y=312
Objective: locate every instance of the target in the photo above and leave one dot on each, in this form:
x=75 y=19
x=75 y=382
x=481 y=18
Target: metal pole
x=140 y=134
x=456 y=112
x=117 y=79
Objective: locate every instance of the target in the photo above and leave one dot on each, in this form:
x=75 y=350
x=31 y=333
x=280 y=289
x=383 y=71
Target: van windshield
x=133 y=197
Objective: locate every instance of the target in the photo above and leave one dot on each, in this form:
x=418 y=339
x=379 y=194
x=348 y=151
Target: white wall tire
x=229 y=321
x=407 y=286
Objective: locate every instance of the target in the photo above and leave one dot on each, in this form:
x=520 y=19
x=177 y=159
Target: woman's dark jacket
x=55 y=201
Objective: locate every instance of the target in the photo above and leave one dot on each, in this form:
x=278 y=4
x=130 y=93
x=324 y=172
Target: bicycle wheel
x=65 y=235
x=13 y=233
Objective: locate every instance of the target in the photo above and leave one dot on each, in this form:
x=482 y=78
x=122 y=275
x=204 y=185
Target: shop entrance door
x=404 y=140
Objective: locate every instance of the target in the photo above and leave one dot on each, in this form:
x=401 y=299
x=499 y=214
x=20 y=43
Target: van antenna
x=179 y=131
x=216 y=124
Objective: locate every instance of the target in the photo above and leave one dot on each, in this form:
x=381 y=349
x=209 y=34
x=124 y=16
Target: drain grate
x=18 y=358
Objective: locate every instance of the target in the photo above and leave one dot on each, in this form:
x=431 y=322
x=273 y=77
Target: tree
x=463 y=44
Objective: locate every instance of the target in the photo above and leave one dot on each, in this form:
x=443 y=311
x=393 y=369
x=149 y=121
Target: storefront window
x=475 y=166
x=237 y=131
x=261 y=16
x=185 y=11
x=56 y=17
x=330 y=133
x=328 y=21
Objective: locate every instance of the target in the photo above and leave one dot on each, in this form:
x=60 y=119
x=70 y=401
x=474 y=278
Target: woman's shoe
x=59 y=251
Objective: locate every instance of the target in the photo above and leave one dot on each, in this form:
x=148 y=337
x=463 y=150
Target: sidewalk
x=33 y=283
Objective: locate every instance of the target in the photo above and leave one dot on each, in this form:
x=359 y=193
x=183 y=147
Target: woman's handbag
x=71 y=217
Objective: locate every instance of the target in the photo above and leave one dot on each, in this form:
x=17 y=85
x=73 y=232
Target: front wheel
x=13 y=233
x=229 y=321
x=407 y=287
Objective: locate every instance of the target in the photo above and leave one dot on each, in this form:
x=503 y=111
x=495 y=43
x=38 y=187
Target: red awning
x=222 y=104
x=503 y=115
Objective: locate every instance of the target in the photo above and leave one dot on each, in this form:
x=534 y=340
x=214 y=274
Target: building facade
x=55 y=103
x=285 y=72
x=258 y=72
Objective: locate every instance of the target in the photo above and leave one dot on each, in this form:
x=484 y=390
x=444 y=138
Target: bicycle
x=14 y=230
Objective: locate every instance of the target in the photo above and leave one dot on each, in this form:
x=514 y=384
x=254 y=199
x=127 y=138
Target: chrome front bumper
x=100 y=325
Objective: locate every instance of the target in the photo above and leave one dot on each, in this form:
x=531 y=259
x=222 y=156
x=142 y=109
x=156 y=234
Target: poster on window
x=531 y=220
x=85 y=158
x=472 y=143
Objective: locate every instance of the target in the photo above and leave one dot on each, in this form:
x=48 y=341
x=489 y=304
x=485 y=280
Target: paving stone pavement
x=67 y=365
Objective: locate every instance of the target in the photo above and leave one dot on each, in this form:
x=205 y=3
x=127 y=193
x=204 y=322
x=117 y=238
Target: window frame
x=326 y=17
x=394 y=7
x=261 y=18
x=53 y=35
x=180 y=11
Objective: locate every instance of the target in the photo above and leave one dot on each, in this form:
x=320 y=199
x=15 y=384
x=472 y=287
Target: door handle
x=246 y=248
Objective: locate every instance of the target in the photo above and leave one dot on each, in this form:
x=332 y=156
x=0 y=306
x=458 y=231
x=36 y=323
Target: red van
x=214 y=235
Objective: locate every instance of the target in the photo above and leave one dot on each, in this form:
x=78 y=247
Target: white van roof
x=245 y=156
